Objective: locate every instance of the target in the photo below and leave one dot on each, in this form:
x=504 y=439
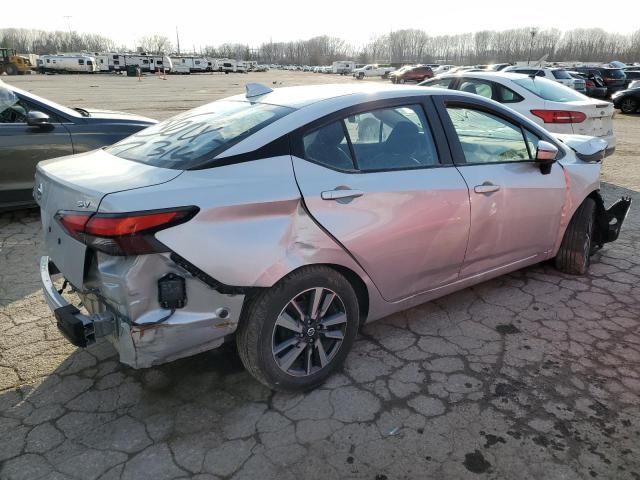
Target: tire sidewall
x=633 y=104
x=270 y=311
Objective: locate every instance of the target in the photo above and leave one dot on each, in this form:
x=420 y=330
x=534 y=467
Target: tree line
x=401 y=46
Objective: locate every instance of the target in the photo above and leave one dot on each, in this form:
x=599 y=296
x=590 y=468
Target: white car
x=559 y=75
x=555 y=107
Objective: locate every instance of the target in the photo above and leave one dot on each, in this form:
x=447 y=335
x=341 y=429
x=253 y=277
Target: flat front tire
x=292 y=336
x=574 y=255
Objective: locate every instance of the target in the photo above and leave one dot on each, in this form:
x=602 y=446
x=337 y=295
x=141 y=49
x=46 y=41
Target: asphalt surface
x=535 y=374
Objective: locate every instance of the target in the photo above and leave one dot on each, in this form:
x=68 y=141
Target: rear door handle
x=486 y=187
x=340 y=194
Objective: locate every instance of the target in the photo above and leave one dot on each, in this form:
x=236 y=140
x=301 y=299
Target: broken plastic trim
x=609 y=221
x=208 y=279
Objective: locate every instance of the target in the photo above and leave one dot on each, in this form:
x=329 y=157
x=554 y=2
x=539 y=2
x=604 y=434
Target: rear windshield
x=549 y=90
x=188 y=140
x=560 y=74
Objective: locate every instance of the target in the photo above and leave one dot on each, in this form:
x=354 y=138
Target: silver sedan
x=283 y=220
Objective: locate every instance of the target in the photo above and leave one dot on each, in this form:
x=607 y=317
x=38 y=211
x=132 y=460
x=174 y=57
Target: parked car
x=628 y=101
x=632 y=73
x=496 y=67
x=291 y=217
x=411 y=74
x=579 y=82
x=557 y=108
x=373 y=70
x=614 y=78
x=559 y=75
x=594 y=85
x=34 y=129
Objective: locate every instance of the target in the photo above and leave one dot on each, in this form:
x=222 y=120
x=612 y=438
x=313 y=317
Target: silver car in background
x=285 y=219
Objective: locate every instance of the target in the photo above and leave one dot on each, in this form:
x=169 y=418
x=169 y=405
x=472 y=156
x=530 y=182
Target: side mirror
x=38 y=119
x=545 y=156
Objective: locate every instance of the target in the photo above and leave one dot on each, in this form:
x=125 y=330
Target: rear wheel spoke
x=309 y=358
x=316 y=297
x=292 y=356
x=334 y=334
x=321 y=354
x=281 y=347
x=328 y=300
x=336 y=319
x=286 y=321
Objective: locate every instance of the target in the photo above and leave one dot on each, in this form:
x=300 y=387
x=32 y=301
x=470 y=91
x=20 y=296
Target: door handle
x=486 y=187
x=341 y=194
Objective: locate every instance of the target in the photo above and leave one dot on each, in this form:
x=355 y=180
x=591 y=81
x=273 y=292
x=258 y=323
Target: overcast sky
x=251 y=22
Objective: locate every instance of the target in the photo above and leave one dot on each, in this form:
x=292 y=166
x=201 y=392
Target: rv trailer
x=66 y=63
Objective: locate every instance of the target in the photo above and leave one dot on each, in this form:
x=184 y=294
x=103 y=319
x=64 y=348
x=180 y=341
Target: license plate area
x=67 y=253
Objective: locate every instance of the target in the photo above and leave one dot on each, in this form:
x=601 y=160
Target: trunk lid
x=599 y=121
x=79 y=183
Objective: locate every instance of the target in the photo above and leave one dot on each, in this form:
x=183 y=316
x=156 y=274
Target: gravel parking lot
x=532 y=375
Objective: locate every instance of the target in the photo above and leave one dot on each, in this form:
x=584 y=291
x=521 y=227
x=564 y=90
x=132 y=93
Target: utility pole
x=532 y=32
x=178 y=40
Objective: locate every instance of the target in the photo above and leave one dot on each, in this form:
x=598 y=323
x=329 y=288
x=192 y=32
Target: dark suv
x=614 y=78
x=411 y=74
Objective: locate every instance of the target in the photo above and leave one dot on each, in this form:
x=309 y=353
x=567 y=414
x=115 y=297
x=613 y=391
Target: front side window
x=190 y=139
x=12 y=110
x=486 y=138
x=549 y=90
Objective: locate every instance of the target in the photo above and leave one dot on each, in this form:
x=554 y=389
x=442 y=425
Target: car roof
x=302 y=96
x=484 y=75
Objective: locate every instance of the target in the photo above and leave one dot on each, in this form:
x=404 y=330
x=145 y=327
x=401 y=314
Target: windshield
x=187 y=140
x=549 y=90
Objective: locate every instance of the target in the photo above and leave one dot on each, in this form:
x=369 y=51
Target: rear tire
x=574 y=255
x=628 y=105
x=276 y=326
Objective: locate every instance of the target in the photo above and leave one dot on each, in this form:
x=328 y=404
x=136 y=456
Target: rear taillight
x=560 y=116
x=123 y=233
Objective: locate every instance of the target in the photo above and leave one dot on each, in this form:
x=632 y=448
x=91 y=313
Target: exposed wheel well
x=359 y=286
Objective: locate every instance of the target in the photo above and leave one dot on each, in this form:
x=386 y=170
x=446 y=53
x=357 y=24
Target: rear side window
x=549 y=90
x=561 y=74
x=188 y=140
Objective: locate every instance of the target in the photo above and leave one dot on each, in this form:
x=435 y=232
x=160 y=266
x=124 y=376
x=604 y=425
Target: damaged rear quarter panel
x=252 y=228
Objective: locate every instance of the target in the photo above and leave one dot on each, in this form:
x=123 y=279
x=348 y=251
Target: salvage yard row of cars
x=282 y=220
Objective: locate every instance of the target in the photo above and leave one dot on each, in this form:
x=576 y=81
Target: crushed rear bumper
x=141 y=345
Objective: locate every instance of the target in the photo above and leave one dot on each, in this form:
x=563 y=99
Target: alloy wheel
x=309 y=332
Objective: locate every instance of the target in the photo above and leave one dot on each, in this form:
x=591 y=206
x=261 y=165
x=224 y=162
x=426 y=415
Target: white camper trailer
x=66 y=63
x=343 y=67
x=190 y=64
x=116 y=62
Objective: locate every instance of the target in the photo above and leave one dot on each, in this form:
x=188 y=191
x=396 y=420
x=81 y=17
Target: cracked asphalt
x=535 y=374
